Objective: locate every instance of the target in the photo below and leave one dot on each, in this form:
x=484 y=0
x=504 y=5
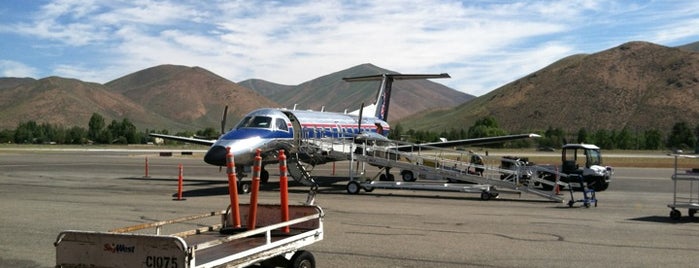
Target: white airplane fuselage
x=272 y=129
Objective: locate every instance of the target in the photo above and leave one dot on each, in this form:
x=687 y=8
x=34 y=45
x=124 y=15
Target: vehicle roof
x=581 y=145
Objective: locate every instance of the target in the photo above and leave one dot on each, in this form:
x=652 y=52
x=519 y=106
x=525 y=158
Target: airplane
x=272 y=129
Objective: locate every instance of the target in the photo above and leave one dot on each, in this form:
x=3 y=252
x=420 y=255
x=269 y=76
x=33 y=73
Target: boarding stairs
x=433 y=163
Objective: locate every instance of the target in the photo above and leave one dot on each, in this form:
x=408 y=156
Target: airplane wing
x=184 y=139
x=476 y=141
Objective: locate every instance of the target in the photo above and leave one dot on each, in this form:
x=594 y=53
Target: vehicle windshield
x=256 y=122
x=593 y=157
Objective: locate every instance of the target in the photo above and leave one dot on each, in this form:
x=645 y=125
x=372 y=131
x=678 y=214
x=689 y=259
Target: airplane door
x=296 y=125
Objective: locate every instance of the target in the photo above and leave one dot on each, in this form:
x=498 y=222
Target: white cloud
x=16 y=69
x=482 y=44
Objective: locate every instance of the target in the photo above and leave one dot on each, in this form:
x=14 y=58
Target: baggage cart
x=268 y=242
x=685 y=190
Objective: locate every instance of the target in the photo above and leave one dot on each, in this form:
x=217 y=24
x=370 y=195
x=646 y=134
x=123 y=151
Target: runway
x=45 y=192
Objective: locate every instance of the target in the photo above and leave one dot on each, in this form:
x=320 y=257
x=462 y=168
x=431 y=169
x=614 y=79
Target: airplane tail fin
x=383 y=96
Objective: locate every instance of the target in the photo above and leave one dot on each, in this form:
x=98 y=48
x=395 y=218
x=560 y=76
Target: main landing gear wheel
x=264 y=176
x=353 y=187
x=390 y=177
x=485 y=195
x=302 y=259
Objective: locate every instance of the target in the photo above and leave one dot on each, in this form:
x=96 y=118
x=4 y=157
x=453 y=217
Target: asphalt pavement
x=45 y=192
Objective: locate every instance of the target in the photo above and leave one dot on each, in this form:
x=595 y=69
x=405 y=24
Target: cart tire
x=243 y=187
x=692 y=212
x=485 y=196
x=675 y=214
x=368 y=189
x=570 y=203
x=408 y=176
x=302 y=259
x=353 y=187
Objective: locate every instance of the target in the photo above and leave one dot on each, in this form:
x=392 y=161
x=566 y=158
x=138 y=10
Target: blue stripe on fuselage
x=244 y=133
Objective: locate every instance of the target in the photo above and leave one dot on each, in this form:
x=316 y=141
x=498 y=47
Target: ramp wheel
x=353 y=187
x=302 y=259
x=675 y=214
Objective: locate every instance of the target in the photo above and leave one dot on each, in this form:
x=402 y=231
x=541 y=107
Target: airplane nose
x=216 y=156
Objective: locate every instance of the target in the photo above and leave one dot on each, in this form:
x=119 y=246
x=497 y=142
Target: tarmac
x=43 y=192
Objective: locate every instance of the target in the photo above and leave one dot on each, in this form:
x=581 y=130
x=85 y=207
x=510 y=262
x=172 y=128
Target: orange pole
x=256 y=170
x=284 y=189
x=180 y=179
x=233 y=189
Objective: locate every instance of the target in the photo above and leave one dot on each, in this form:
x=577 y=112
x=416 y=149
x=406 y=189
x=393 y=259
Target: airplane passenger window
x=261 y=122
x=281 y=125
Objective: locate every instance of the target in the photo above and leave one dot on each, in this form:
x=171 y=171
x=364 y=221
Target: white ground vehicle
x=584 y=160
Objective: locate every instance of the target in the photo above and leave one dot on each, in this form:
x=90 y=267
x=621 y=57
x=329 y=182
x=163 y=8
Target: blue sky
x=481 y=44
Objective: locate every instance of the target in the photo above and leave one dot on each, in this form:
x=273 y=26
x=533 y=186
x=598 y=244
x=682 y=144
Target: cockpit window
x=281 y=124
x=243 y=122
x=261 y=122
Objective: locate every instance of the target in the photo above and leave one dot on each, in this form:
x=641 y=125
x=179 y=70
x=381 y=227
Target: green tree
x=7 y=136
x=95 y=127
x=652 y=139
x=681 y=137
x=583 y=136
x=485 y=127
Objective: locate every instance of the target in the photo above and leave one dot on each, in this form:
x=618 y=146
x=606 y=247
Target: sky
x=481 y=44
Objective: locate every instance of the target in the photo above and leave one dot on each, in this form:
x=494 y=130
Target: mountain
x=637 y=85
x=691 y=47
x=64 y=101
x=11 y=82
x=191 y=96
x=265 y=88
x=408 y=97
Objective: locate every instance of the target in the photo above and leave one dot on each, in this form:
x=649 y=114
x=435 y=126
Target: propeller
x=223 y=121
x=223 y=128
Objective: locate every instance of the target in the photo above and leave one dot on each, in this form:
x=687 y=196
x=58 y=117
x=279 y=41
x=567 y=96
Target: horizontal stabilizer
x=395 y=77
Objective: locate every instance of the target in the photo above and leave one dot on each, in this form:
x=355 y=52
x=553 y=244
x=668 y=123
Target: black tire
x=243 y=187
x=264 y=176
x=485 y=196
x=601 y=184
x=675 y=214
x=391 y=177
x=353 y=187
x=408 y=176
x=302 y=259
x=692 y=212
